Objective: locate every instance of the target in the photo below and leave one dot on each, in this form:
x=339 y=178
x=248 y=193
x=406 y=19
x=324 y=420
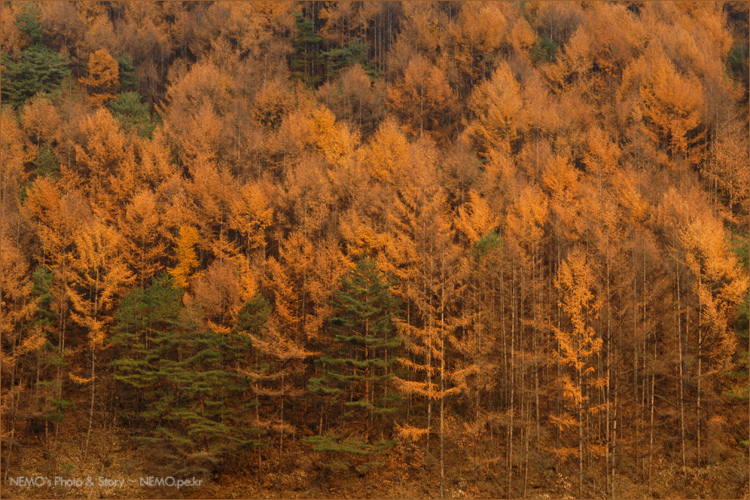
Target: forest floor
x=404 y=474
x=301 y=476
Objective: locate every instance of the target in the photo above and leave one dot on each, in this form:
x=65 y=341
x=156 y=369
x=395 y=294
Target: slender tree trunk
x=281 y=436
x=428 y=340
x=580 y=434
x=442 y=387
x=93 y=366
x=651 y=430
x=526 y=452
x=610 y=357
x=91 y=408
x=2 y=277
x=61 y=340
x=607 y=394
x=614 y=442
x=682 y=378
x=534 y=341
x=700 y=340
x=644 y=322
x=512 y=385
x=13 y=409
x=559 y=351
x=257 y=419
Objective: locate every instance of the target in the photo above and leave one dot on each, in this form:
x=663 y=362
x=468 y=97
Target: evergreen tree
x=178 y=379
x=307 y=60
x=143 y=314
x=356 y=372
x=49 y=356
x=133 y=114
x=355 y=52
x=128 y=79
x=34 y=69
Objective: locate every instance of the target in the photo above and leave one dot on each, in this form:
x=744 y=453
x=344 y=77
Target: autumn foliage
x=389 y=249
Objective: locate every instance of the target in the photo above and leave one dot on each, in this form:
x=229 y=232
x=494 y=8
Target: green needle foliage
x=545 y=49
x=133 y=114
x=178 y=383
x=355 y=52
x=356 y=372
x=128 y=79
x=307 y=60
x=49 y=357
x=34 y=69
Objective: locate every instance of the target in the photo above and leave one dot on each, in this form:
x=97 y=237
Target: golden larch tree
x=103 y=77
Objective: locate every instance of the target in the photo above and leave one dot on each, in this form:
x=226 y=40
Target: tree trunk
x=651 y=431
x=442 y=392
x=281 y=436
x=700 y=339
x=13 y=410
x=428 y=339
x=512 y=385
x=580 y=435
x=91 y=408
x=93 y=366
x=682 y=379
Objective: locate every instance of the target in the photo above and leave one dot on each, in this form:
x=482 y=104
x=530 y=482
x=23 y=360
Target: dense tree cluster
x=437 y=248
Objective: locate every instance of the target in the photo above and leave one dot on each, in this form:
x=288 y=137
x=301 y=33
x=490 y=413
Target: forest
x=374 y=249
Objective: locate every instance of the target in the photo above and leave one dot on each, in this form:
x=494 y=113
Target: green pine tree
x=34 y=69
x=355 y=52
x=179 y=382
x=356 y=372
x=133 y=114
x=51 y=405
x=307 y=59
x=128 y=79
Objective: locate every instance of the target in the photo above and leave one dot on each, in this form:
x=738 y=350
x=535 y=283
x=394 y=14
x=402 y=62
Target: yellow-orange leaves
x=497 y=104
x=143 y=238
x=104 y=75
x=251 y=215
x=187 y=260
x=476 y=219
x=334 y=140
x=575 y=282
x=99 y=275
x=672 y=107
x=423 y=99
x=388 y=153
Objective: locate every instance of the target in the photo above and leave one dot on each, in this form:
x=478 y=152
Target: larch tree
x=187 y=261
x=57 y=219
x=672 y=106
x=105 y=168
x=143 y=235
x=103 y=77
x=19 y=341
x=251 y=216
x=497 y=105
x=523 y=248
x=424 y=100
x=578 y=346
x=477 y=37
x=720 y=288
x=98 y=278
x=420 y=218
